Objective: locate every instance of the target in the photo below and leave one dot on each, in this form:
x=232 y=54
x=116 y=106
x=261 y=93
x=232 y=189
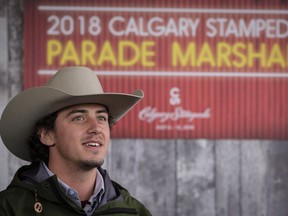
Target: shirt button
x=71 y=193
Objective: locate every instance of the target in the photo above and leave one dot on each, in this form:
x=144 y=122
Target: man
x=63 y=128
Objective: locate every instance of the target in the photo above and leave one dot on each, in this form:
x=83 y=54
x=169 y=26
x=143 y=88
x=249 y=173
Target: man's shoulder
x=131 y=200
x=17 y=188
x=12 y=193
x=15 y=199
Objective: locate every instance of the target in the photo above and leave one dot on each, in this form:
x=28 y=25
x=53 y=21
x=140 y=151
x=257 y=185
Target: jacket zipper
x=117 y=211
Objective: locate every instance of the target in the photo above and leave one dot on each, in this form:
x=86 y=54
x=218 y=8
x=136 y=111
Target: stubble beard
x=89 y=165
x=81 y=164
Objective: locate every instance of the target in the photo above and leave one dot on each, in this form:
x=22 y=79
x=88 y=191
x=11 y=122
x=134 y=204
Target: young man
x=63 y=128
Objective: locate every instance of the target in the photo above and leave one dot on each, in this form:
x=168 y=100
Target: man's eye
x=78 y=118
x=102 y=118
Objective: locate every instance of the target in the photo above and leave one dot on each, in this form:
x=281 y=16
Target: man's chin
x=89 y=165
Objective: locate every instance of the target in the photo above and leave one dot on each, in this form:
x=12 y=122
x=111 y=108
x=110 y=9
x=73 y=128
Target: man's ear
x=46 y=137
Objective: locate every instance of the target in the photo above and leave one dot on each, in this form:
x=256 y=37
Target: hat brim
x=24 y=110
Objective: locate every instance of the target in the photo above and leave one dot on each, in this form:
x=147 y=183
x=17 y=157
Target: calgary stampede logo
x=151 y=114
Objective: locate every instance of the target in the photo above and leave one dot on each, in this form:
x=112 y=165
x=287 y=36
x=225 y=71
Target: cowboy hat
x=69 y=86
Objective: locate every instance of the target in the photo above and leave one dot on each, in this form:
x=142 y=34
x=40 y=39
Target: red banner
x=208 y=69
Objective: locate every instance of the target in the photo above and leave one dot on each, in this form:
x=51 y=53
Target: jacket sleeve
x=141 y=209
x=132 y=202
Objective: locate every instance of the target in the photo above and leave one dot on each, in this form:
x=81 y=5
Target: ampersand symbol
x=175 y=96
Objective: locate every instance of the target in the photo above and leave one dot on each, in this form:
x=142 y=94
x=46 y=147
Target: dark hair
x=39 y=151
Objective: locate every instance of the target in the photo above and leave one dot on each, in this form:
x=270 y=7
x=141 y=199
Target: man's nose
x=94 y=127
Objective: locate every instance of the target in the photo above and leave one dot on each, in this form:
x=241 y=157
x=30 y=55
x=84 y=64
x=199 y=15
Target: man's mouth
x=92 y=144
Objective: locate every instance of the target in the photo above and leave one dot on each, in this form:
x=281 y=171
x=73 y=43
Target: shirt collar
x=96 y=197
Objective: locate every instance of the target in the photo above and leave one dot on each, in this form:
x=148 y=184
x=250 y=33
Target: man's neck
x=81 y=181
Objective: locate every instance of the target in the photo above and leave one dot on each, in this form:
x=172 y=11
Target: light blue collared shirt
x=93 y=201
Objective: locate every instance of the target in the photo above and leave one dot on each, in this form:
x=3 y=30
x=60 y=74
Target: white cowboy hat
x=69 y=86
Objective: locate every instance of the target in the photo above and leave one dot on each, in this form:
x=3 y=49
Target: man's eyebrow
x=77 y=111
x=102 y=111
x=85 y=111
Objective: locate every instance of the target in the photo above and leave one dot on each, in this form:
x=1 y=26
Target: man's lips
x=92 y=144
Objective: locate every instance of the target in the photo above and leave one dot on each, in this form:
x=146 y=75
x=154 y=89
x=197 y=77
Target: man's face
x=81 y=137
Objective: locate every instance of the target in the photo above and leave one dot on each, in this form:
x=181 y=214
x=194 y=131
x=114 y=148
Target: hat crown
x=82 y=82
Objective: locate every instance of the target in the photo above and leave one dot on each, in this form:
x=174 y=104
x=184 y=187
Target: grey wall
x=172 y=177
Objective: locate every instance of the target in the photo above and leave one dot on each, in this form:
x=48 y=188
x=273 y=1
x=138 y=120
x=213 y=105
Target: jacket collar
x=32 y=177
